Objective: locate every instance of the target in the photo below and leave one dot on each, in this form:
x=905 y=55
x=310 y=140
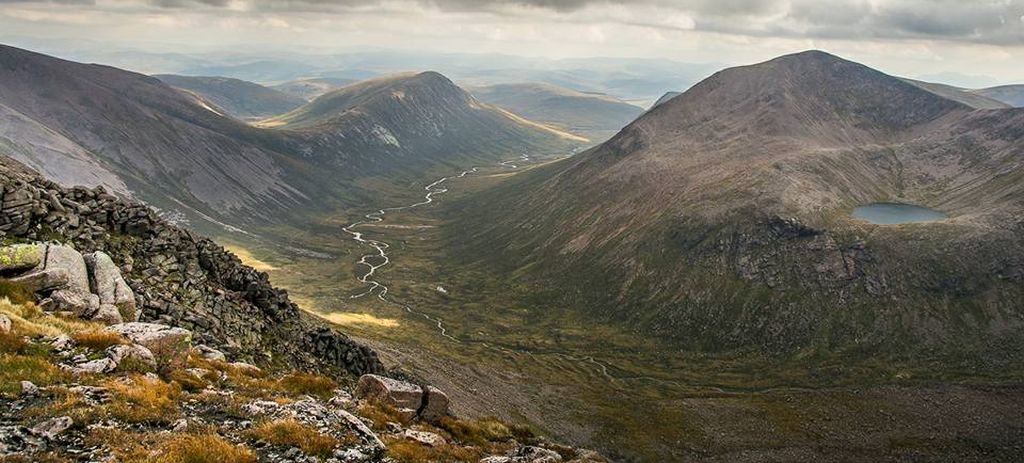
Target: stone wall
x=179 y=279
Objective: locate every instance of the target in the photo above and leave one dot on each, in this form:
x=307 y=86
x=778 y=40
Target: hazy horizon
x=971 y=44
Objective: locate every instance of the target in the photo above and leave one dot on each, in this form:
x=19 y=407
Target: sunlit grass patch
x=307 y=383
x=351 y=318
x=29 y=320
x=411 y=451
x=97 y=338
x=291 y=433
x=140 y=399
x=248 y=259
x=15 y=368
x=170 y=448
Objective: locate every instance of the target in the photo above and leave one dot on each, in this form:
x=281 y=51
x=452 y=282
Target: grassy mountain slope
x=719 y=220
x=237 y=98
x=595 y=116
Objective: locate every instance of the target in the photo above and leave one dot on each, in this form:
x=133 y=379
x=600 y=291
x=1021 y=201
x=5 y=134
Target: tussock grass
x=477 y=432
x=97 y=339
x=291 y=433
x=16 y=293
x=15 y=368
x=29 y=320
x=380 y=415
x=170 y=448
x=300 y=383
x=407 y=451
x=139 y=399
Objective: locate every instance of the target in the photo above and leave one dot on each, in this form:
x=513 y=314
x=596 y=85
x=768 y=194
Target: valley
x=510 y=350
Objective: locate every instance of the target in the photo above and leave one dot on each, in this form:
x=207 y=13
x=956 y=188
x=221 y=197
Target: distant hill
x=1012 y=95
x=720 y=220
x=422 y=113
x=592 y=115
x=968 y=97
x=238 y=98
x=309 y=89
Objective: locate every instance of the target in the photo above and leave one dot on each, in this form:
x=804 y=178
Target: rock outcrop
x=409 y=400
x=177 y=278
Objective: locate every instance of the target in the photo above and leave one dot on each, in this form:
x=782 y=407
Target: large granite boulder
x=59 y=256
x=399 y=394
x=435 y=404
x=105 y=281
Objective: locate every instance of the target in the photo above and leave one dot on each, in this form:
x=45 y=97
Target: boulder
x=20 y=257
x=53 y=427
x=210 y=353
x=131 y=356
x=399 y=394
x=103 y=365
x=531 y=454
x=169 y=345
x=5 y=324
x=43 y=280
x=59 y=256
x=108 y=314
x=29 y=388
x=105 y=281
x=425 y=438
x=82 y=304
x=435 y=404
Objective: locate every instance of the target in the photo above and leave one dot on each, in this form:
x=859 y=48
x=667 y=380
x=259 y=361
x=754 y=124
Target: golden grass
x=477 y=432
x=300 y=383
x=97 y=339
x=29 y=320
x=291 y=433
x=248 y=259
x=350 y=318
x=15 y=368
x=139 y=399
x=170 y=448
x=380 y=415
x=407 y=451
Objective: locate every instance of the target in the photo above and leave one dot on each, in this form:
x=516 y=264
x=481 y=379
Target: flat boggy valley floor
x=500 y=350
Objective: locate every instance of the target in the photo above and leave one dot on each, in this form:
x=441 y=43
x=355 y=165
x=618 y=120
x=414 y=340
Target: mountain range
x=139 y=136
x=236 y=98
x=720 y=219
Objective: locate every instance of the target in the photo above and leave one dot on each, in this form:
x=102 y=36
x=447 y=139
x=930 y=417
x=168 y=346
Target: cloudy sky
x=952 y=38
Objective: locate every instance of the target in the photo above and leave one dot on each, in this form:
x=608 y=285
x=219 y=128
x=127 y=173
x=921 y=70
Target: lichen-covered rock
x=425 y=438
x=399 y=394
x=210 y=353
x=5 y=324
x=45 y=280
x=20 y=257
x=53 y=427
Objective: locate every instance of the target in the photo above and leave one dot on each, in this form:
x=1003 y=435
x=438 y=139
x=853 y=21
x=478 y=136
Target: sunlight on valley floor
x=248 y=259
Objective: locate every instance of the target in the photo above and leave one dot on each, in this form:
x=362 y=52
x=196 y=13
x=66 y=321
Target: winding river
x=380 y=259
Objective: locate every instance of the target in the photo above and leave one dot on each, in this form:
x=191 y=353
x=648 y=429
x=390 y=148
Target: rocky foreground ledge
x=176 y=278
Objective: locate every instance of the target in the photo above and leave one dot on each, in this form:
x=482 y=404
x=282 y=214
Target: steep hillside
x=161 y=144
x=310 y=89
x=1012 y=95
x=970 y=98
x=591 y=115
x=236 y=98
x=720 y=219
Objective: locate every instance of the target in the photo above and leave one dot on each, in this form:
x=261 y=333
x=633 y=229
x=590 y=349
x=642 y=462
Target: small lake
x=896 y=213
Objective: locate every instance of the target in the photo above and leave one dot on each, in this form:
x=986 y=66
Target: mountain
x=720 y=220
x=592 y=115
x=393 y=117
x=1012 y=95
x=309 y=89
x=236 y=98
x=970 y=98
x=136 y=135
x=261 y=70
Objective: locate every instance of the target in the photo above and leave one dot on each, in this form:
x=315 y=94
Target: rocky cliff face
x=178 y=278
